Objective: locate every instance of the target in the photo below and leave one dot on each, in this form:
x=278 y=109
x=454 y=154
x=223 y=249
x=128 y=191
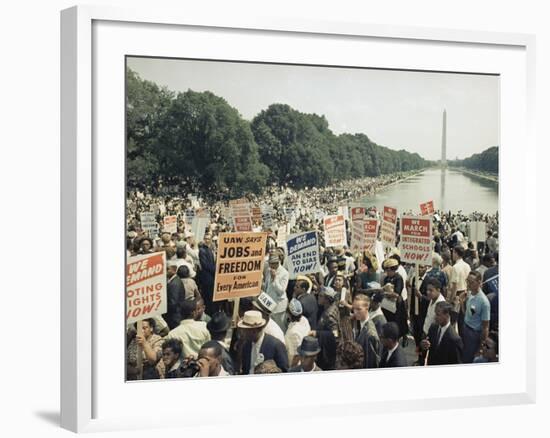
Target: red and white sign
x=415 y=245
x=335 y=230
x=427 y=208
x=170 y=224
x=243 y=223
x=371 y=233
x=145 y=286
x=241 y=212
x=357 y=228
x=388 y=226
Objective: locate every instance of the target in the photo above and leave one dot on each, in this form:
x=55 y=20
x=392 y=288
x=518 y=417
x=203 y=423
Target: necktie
x=438 y=336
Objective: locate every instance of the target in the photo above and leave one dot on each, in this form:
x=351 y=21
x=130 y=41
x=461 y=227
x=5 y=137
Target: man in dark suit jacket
x=364 y=332
x=207 y=274
x=308 y=302
x=175 y=294
x=443 y=345
x=392 y=354
x=258 y=346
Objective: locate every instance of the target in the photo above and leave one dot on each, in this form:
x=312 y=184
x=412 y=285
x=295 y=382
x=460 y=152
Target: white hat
x=265 y=302
x=252 y=319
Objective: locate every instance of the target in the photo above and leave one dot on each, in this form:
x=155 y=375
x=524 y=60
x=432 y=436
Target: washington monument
x=444 y=141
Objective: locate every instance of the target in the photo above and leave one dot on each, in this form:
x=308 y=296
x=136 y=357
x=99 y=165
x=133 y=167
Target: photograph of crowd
x=267 y=231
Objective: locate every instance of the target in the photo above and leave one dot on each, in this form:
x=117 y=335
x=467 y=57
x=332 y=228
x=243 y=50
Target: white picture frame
x=93 y=395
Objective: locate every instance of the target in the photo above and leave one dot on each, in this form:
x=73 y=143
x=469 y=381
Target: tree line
x=486 y=161
x=199 y=137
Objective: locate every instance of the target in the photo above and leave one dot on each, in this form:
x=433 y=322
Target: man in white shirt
x=275 y=284
x=457 y=282
x=192 y=334
x=298 y=328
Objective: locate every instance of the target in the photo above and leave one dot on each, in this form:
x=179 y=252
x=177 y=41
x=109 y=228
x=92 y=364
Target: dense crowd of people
x=366 y=309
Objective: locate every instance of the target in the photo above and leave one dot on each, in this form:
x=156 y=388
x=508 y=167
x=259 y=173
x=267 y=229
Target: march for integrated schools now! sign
x=145 y=286
x=303 y=254
x=415 y=245
x=240 y=265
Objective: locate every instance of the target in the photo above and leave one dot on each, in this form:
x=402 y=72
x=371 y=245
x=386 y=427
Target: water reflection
x=449 y=189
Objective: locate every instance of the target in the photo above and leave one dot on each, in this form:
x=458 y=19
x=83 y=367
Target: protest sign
x=189 y=215
x=371 y=233
x=335 y=230
x=239 y=266
x=242 y=223
x=281 y=237
x=149 y=223
x=145 y=286
x=198 y=227
x=303 y=254
x=357 y=228
x=427 y=208
x=388 y=226
x=415 y=245
x=478 y=231
x=256 y=213
x=267 y=217
x=170 y=224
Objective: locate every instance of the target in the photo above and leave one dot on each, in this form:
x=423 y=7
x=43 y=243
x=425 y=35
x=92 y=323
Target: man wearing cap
x=297 y=329
x=218 y=326
x=310 y=308
x=274 y=285
x=265 y=304
x=259 y=346
x=393 y=278
x=307 y=351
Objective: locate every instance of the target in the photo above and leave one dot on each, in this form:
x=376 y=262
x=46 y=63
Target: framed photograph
x=247 y=200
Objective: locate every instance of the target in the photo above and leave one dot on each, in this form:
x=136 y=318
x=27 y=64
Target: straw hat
x=252 y=319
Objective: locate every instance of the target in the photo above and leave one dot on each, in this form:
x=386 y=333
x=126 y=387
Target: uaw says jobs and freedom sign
x=239 y=265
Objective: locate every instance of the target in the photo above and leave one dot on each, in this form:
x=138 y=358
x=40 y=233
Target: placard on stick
x=335 y=230
x=239 y=266
x=303 y=254
x=388 y=226
x=415 y=245
x=145 y=286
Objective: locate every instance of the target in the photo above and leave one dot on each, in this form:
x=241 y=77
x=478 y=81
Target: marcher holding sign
x=303 y=254
x=240 y=265
x=335 y=231
x=145 y=286
x=388 y=227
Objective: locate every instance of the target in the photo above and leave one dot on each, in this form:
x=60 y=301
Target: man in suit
x=207 y=273
x=364 y=332
x=258 y=346
x=175 y=292
x=442 y=346
x=392 y=353
x=308 y=300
